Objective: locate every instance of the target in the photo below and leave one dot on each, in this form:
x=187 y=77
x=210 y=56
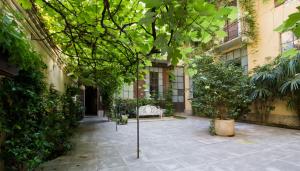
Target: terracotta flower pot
x=224 y=127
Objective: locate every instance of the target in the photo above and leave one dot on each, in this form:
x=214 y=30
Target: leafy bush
x=220 y=90
x=36 y=122
x=128 y=106
x=169 y=105
x=280 y=79
x=73 y=110
x=264 y=92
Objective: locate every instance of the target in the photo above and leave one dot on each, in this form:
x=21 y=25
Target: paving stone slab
x=180 y=145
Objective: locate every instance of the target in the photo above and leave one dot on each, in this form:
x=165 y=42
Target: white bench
x=149 y=110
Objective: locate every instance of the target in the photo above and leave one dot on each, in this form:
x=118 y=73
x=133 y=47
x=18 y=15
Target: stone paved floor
x=181 y=145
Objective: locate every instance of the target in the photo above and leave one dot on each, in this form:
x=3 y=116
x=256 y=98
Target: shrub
x=128 y=106
x=36 y=122
x=169 y=105
x=220 y=90
x=279 y=79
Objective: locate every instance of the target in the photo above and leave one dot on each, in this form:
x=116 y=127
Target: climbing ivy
x=14 y=43
x=35 y=121
x=248 y=19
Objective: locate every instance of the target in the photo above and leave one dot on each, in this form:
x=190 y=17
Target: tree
x=113 y=35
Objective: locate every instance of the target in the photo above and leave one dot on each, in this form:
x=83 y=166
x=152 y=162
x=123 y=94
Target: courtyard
x=178 y=144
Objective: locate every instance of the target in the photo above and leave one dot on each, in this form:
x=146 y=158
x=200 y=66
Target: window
x=154 y=83
x=239 y=57
x=154 y=91
x=126 y=92
x=289 y=41
x=278 y=2
x=178 y=85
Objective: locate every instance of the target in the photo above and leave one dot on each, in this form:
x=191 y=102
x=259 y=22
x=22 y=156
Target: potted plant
x=223 y=122
x=124 y=119
x=220 y=92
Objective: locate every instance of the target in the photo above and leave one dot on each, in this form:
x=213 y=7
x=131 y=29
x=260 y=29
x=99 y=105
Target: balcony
x=232 y=30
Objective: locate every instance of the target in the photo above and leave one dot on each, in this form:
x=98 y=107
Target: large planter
x=224 y=127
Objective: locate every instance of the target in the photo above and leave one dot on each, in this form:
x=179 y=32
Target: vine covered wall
x=36 y=120
x=248 y=17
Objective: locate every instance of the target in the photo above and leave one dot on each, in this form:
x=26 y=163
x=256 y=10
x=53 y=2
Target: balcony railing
x=232 y=30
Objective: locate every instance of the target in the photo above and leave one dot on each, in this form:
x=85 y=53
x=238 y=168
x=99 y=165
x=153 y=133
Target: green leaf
x=184 y=51
x=148 y=18
x=161 y=40
x=174 y=55
x=290 y=23
x=39 y=2
x=233 y=14
x=296 y=31
x=206 y=37
x=291 y=85
x=221 y=33
x=26 y=4
x=148 y=63
x=280 y=28
x=153 y=3
x=290 y=53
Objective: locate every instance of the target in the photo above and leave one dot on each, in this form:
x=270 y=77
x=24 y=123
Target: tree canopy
x=106 y=38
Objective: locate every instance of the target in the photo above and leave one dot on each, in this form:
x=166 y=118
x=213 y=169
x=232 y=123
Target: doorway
x=91 y=101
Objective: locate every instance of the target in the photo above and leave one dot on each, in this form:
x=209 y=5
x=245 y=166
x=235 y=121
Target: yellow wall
x=268 y=18
x=267 y=47
x=54 y=72
x=187 y=88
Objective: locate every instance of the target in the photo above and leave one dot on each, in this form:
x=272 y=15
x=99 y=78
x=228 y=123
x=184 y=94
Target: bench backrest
x=150 y=110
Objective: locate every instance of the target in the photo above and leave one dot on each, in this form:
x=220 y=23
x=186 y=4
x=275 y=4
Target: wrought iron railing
x=232 y=30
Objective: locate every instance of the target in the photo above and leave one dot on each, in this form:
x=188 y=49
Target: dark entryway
x=90 y=101
x=6 y=69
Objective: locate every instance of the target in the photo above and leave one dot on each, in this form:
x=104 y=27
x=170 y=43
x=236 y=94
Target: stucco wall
x=268 y=18
x=187 y=88
x=267 y=47
x=54 y=72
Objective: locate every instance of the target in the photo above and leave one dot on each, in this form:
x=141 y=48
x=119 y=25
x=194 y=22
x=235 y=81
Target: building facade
x=160 y=81
x=51 y=55
x=268 y=44
x=35 y=33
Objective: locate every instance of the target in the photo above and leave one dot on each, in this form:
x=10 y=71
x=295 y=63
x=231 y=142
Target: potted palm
x=220 y=92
